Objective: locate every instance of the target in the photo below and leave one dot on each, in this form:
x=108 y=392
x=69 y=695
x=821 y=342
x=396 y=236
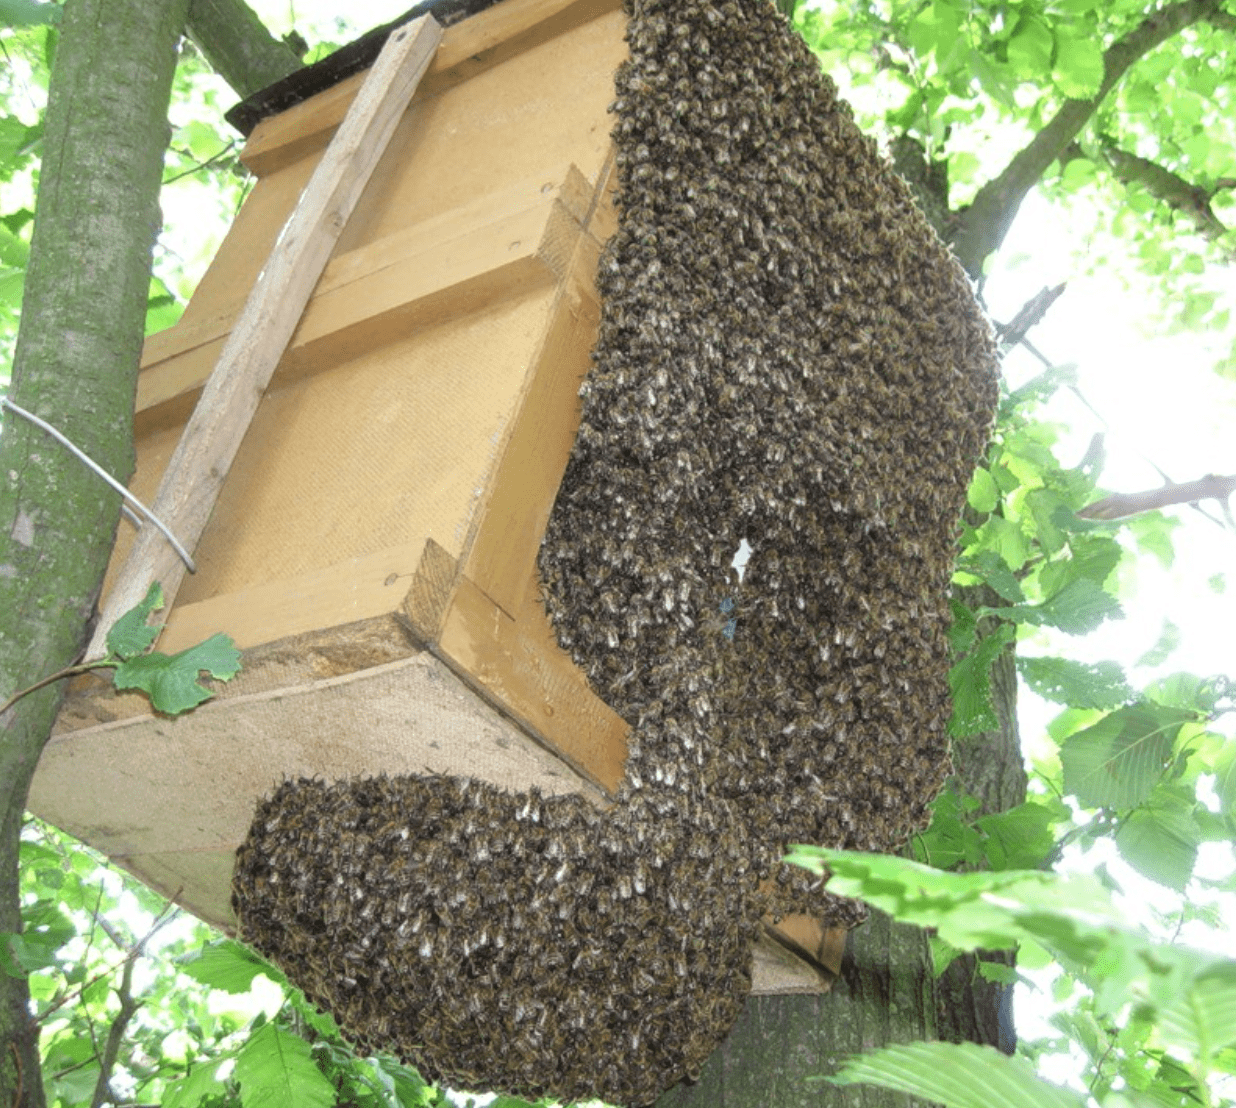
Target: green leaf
x=1078 y=71
x=1078 y=172
x=1117 y=762
x=1101 y=685
x=171 y=681
x=949 y=840
x=1021 y=838
x=1225 y=776
x=989 y=566
x=963 y=628
x=997 y=971
x=983 y=495
x=276 y=1069
x=227 y=965
x=970 y=683
x=200 y=1082
x=1077 y=608
x=1161 y=843
x=1005 y=537
x=1030 y=47
x=1045 y=508
x=957 y=1075
x=131 y=635
x=1203 y=1019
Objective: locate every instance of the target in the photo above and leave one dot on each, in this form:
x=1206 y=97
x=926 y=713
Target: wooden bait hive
x=515 y=875
x=373 y=551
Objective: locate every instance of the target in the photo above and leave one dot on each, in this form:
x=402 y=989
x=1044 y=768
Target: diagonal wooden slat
x=201 y=462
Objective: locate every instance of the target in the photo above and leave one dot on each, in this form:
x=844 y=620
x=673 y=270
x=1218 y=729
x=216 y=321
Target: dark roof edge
x=347 y=60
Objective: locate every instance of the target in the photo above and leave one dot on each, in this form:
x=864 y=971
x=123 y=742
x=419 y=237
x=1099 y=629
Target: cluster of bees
x=787 y=356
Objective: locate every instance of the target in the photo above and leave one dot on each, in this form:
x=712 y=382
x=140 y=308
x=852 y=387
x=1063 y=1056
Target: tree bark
x=76 y=363
x=781 y=1044
x=238 y=46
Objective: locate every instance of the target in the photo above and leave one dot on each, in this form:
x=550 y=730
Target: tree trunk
x=781 y=1043
x=76 y=367
x=238 y=46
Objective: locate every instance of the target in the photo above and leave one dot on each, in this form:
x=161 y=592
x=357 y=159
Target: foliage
x=973 y=82
x=1180 y=1003
x=212 y=1024
x=171 y=681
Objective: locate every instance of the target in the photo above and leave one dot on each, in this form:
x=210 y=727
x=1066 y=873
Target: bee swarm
x=787 y=355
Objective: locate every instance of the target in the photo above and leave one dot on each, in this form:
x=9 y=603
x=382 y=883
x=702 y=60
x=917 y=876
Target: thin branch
x=199 y=166
x=1119 y=505
x=132 y=953
x=51 y=679
x=115 y=1036
x=983 y=226
x=1030 y=315
x=1190 y=200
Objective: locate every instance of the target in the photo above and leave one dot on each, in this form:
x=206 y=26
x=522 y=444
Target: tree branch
x=238 y=46
x=1119 y=505
x=983 y=226
x=1030 y=315
x=115 y=1035
x=1190 y=200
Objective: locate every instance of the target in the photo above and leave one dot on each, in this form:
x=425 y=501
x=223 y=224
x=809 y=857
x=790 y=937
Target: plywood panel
x=482 y=42
x=504 y=125
x=391 y=447
x=199 y=776
x=471 y=255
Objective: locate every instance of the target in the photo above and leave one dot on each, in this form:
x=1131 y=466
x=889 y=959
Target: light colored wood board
x=777 y=972
x=425 y=606
x=502 y=557
x=162 y=786
x=465 y=274
x=519 y=213
x=546 y=107
x=522 y=209
x=823 y=946
x=388 y=449
x=243 y=251
x=292 y=661
x=199 y=881
x=359 y=588
x=603 y=221
x=520 y=669
x=256 y=344
x=468 y=49
x=469 y=273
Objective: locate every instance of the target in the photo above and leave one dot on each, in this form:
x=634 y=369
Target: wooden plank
x=502 y=555
x=204 y=456
x=468 y=48
x=519 y=667
x=359 y=588
x=429 y=238
x=370 y=294
x=823 y=946
x=200 y=775
x=425 y=606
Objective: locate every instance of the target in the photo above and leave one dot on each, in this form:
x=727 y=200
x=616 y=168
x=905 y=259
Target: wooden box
x=373 y=549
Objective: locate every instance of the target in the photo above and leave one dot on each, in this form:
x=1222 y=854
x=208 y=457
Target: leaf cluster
x=1163 y=1016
